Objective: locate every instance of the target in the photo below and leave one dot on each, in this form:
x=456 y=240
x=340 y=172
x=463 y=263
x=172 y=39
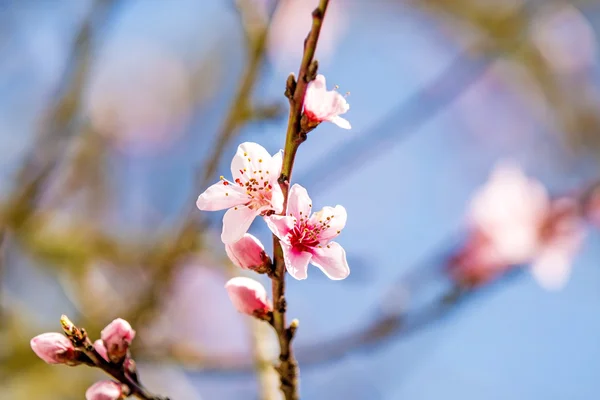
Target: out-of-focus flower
x=248 y=253
x=140 y=95
x=565 y=38
x=307 y=238
x=248 y=296
x=104 y=390
x=510 y=210
x=255 y=190
x=117 y=337
x=291 y=23
x=514 y=222
x=54 y=348
x=321 y=104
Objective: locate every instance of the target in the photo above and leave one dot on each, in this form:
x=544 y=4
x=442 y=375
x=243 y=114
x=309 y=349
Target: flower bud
x=248 y=296
x=117 y=337
x=104 y=390
x=248 y=253
x=54 y=348
x=101 y=349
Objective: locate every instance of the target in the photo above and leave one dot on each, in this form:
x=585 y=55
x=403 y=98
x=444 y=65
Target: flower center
x=303 y=237
x=257 y=186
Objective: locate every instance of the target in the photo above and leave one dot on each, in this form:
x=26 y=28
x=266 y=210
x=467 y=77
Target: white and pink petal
x=296 y=262
x=236 y=222
x=331 y=259
x=220 y=196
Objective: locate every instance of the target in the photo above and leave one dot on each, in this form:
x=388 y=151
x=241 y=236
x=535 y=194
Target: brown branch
x=82 y=342
x=295 y=91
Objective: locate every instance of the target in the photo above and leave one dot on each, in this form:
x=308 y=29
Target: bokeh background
x=116 y=114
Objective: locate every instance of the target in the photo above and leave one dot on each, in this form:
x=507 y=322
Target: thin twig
x=295 y=90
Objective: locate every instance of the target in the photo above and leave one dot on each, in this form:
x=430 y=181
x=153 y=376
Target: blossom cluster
x=255 y=191
x=513 y=221
x=112 y=347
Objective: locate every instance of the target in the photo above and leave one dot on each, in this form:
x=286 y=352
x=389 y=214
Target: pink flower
x=101 y=349
x=54 y=348
x=104 y=390
x=248 y=296
x=117 y=337
x=248 y=253
x=509 y=210
x=255 y=190
x=513 y=222
x=305 y=238
x=321 y=104
x=561 y=238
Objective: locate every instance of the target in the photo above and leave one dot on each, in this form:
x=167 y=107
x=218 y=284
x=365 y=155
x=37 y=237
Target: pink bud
x=101 y=349
x=54 y=348
x=117 y=336
x=248 y=296
x=104 y=390
x=248 y=253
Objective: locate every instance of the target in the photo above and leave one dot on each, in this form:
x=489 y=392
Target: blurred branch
x=240 y=110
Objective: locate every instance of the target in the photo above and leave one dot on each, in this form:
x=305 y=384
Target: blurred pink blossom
x=290 y=25
x=54 y=348
x=513 y=221
x=305 y=238
x=140 y=95
x=248 y=296
x=255 y=190
x=564 y=37
x=117 y=337
x=321 y=104
x=104 y=390
x=248 y=253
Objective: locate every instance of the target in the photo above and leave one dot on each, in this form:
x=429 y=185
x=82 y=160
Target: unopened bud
x=248 y=296
x=54 y=348
x=117 y=337
x=101 y=349
x=104 y=390
x=249 y=253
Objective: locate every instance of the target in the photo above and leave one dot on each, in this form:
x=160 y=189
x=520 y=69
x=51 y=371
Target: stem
x=116 y=371
x=288 y=366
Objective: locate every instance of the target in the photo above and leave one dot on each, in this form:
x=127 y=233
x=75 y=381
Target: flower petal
x=334 y=220
x=296 y=262
x=221 y=195
x=299 y=203
x=331 y=259
x=341 y=122
x=236 y=222
x=276 y=198
x=552 y=268
x=280 y=225
x=276 y=164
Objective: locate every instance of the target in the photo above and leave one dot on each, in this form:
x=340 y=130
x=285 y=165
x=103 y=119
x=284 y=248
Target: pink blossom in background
x=510 y=210
x=248 y=296
x=565 y=38
x=140 y=95
x=254 y=190
x=291 y=23
x=513 y=222
x=196 y=316
x=306 y=237
x=54 y=348
x=117 y=337
x=247 y=253
x=321 y=104
x=104 y=390
x=561 y=238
